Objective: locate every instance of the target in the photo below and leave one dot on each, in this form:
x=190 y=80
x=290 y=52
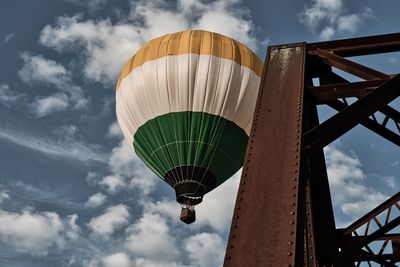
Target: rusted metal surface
x=374 y=126
x=360 y=46
x=283 y=214
x=350 y=66
x=352 y=115
x=372 y=227
x=325 y=93
x=265 y=229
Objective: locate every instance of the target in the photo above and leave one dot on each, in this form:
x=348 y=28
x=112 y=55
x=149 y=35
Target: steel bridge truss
x=283 y=214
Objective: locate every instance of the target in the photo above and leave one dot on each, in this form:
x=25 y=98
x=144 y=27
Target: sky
x=72 y=191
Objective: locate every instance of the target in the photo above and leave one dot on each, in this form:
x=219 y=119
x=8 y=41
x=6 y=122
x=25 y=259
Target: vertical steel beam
x=268 y=222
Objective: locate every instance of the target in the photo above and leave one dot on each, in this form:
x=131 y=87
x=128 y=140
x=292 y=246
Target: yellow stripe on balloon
x=194 y=42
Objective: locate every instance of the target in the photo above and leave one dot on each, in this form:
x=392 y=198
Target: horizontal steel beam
x=350 y=66
x=359 y=46
x=339 y=90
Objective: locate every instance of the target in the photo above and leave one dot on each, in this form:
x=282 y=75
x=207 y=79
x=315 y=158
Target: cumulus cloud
x=113 y=183
x=96 y=200
x=112 y=220
x=349 y=184
x=8 y=97
x=43 y=106
x=215 y=211
x=116 y=260
x=330 y=17
x=114 y=130
x=39 y=70
x=205 y=249
x=107 y=46
x=150 y=238
x=124 y=162
x=37 y=232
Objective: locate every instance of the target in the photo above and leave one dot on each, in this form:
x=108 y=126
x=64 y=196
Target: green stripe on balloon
x=191 y=139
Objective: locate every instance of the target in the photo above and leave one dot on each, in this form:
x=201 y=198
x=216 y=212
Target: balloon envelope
x=185 y=102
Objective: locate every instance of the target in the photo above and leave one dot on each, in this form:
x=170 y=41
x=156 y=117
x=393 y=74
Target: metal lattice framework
x=283 y=214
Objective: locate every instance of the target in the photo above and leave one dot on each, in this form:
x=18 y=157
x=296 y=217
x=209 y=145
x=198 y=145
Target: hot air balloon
x=185 y=102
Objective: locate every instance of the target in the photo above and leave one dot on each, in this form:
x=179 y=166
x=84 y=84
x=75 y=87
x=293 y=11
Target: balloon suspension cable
x=187 y=205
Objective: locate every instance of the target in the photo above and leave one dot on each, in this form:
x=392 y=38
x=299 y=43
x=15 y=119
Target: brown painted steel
x=340 y=90
x=352 y=115
x=350 y=66
x=370 y=124
x=265 y=230
x=360 y=46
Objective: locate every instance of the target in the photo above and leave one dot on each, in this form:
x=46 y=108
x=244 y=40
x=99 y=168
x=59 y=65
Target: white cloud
x=114 y=130
x=349 y=185
x=124 y=162
x=37 y=232
x=8 y=37
x=70 y=149
x=43 y=106
x=330 y=17
x=216 y=210
x=8 y=97
x=150 y=238
x=205 y=249
x=3 y=195
x=37 y=69
x=112 y=220
x=113 y=183
x=108 y=46
x=96 y=200
x=40 y=69
x=116 y=260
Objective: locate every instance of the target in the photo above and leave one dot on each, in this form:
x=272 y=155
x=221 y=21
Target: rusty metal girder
x=350 y=66
x=267 y=228
x=358 y=236
x=359 y=46
x=352 y=115
x=369 y=123
x=283 y=214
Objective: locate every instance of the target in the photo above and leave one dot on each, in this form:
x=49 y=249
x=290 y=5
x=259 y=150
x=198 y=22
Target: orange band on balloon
x=194 y=42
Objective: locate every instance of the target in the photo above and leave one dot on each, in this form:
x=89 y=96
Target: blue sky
x=72 y=192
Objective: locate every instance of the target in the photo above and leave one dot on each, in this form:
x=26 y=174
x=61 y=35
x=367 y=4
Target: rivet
x=295 y=171
x=295 y=164
x=291 y=222
x=242 y=191
x=294 y=187
x=235 y=226
x=289 y=254
x=229 y=258
x=234 y=236
x=237 y=216
x=293 y=204
x=292 y=213
x=291 y=232
x=231 y=247
x=294 y=195
x=290 y=243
